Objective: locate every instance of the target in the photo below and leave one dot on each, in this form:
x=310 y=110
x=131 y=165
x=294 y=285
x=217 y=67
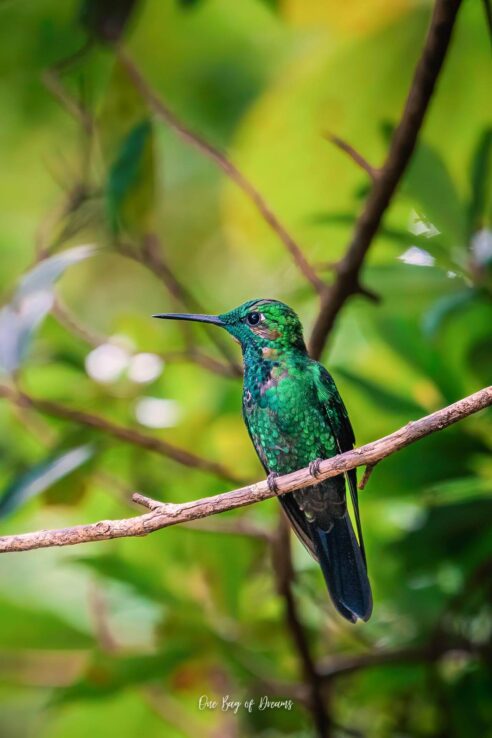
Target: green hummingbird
x=295 y=417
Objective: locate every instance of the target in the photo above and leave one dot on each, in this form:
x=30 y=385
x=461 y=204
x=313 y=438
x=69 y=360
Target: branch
x=354 y=155
x=53 y=83
x=151 y=257
x=73 y=325
x=235 y=527
x=228 y=167
x=64 y=316
x=342 y=665
x=366 y=476
x=384 y=186
x=284 y=572
x=121 y=432
x=163 y=515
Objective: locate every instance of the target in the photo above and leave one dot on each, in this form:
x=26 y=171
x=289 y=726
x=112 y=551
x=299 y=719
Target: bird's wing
x=337 y=417
x=289 y=505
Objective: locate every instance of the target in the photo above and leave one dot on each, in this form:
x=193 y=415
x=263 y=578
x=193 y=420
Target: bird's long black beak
x=214 y=319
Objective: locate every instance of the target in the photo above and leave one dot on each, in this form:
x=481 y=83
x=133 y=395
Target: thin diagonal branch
x=164 y=113
x=73 y=325
x=428 y=652
x=354 y=155
x=150 y=256
x=62 y=313
x=163 y=515
x=53 y=83
x=347 y=281
x=120 y=432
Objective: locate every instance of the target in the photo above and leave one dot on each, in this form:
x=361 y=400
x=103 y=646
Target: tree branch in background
x=150 y=256
x=73 y=325
x=163 y=112
x=163 y=515
x=354 y=155
x=429 y=652
x=52 y=82
x=121 y=432
x=347 y=281
x=284 y=573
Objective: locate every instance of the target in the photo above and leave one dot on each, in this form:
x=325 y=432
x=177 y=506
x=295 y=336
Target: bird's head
x=268 y=324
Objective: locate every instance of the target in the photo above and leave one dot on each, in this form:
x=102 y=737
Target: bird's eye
x=253 y=318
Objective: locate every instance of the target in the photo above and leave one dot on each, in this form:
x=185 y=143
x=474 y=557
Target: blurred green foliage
x=124 y=637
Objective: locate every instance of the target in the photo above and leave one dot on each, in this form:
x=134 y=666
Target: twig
x=366 y=476
x=167 y=514
x=74 y=325
x=347 y=282
x=121 y=432
x=429 y=652
x=51 y=78
x=151 y=257
x=341 y=665
x=164 y=113
x=373 y=172
x=231 y=370
x=237 y=527
x=99 y=613
x=53 y=83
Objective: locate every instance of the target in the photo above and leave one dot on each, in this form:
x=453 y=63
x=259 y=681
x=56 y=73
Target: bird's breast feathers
x=286 y=421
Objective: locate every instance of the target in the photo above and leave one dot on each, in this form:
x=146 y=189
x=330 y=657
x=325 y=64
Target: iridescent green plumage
x=294 y=416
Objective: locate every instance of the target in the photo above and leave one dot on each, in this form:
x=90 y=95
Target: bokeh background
x=123 y=637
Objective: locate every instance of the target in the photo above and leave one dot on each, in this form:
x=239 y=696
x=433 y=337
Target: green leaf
x=107 y=674
x=32 y=301
x=127 y=143
x=449 y=532
x=384 y=399
x=112 y=566
x=480 y=358
x=433 y=244
x=404 y=336
x=23 y=627
x=444 y=307
x=429 y=186
x=394 y=234
x=42 y=476
x=481 y=167
x=130 y=184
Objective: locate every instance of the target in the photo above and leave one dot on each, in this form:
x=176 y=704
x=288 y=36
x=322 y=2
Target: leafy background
x=125 y=636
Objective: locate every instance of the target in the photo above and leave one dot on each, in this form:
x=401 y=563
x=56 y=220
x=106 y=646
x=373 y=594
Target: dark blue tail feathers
x=344 y=569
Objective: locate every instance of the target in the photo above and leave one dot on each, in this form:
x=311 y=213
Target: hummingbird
x=295 y=417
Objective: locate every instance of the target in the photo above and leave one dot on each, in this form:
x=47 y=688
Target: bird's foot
x=314 y=468
x=272 y=482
